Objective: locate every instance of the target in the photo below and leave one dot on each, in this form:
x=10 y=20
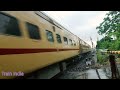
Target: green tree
x=110 y=27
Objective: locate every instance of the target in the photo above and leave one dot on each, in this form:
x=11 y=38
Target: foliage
x=101 y=58
x=110 y=27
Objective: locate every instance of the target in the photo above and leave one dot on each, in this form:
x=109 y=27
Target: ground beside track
x=81 y=71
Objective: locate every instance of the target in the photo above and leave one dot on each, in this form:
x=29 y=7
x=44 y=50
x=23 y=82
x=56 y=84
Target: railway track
x=75 y=71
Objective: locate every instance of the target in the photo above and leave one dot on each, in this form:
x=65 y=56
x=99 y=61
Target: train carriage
x=31 y=40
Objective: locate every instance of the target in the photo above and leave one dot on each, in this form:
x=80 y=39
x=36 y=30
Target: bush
x=101 y=58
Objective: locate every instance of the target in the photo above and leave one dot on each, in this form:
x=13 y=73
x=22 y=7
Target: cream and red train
x=30 y=40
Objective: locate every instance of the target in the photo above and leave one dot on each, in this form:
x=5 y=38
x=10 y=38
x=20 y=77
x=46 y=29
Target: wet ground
x=81 y=71
x=102 y=74
x=91 y=74
x=88 y=74
x=108 y=73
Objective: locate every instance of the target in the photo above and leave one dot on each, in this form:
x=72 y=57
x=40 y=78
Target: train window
x=70 y=42
x=9 y=25
x=65 y=40
x=82 y=43
x=74 y=43
x=33 y=31
x=58 y=38
x=49 y=36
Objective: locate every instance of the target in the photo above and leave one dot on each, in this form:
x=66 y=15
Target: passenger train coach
x=30 y=40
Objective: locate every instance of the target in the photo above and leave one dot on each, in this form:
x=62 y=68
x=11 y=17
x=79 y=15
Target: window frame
x=70 y=40
x=64 y=40
x=38 y=31
x=74 y=44
x=18 y=24
x=57 y=39
x=52 y=36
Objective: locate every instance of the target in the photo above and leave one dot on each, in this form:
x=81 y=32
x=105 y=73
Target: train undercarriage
x=52 y=71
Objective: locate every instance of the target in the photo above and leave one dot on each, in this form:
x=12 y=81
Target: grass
x=102 y=58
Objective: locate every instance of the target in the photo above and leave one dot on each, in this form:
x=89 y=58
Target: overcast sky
x=81 y=23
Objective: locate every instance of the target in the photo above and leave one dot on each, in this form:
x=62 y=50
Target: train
x=31 y=40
